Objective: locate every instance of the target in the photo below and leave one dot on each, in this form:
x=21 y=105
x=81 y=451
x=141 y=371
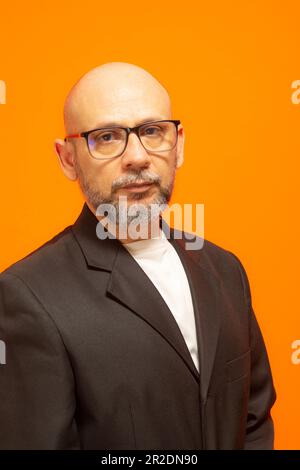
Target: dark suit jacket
x=95 y=359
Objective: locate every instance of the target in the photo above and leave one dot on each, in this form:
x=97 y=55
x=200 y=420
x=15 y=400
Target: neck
x=151 y=230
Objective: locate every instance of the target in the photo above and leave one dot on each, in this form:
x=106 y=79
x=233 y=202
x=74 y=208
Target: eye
x=106 y=137
x=151 y=131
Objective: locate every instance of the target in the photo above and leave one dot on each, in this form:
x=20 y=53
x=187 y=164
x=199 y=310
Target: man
x=120 y=342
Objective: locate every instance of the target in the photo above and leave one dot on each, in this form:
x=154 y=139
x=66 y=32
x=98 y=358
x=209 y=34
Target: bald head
x=115 y=92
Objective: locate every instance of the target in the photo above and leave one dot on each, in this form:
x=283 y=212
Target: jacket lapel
x=206 y=292
x=130 y=285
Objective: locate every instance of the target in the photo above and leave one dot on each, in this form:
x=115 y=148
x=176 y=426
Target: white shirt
x=160 y=261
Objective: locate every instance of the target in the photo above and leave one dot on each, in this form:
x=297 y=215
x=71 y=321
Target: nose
x=135 y=155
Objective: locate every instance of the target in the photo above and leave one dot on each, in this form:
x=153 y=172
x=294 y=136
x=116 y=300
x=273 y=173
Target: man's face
x=104 y=181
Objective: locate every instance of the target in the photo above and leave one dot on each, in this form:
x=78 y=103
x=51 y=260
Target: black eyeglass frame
x=128 y=130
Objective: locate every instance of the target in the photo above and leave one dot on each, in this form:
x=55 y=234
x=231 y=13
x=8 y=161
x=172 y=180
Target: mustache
x=144 y=176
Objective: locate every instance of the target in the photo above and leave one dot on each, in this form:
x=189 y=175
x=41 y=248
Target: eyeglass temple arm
x=72 y=135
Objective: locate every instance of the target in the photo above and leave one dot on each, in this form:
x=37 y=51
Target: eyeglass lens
x=158 y=137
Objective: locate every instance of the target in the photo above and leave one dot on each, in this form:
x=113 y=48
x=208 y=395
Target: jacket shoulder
x=216 y=257
x=43 y=257
x=212 y=257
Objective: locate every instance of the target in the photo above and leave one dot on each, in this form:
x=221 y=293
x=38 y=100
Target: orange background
x=229 y=67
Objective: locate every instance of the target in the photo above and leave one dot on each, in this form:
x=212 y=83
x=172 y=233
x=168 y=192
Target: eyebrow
x=118 y=124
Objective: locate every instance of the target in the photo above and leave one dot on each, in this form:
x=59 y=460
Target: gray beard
x=115 y=212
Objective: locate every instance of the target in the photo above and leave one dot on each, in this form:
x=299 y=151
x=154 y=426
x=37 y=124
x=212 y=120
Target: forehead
x=125 y=104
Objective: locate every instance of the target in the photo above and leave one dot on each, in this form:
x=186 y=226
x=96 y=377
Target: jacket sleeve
x=37 y=399
x=260 y=427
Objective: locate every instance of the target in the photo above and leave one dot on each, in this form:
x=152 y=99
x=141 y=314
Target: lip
x=137 y=188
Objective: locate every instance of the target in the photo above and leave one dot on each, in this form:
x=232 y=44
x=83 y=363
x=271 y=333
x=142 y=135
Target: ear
x=65 y=152
x=180 y=146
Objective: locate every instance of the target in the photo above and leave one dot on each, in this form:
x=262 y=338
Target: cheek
x=166 y=168
x=98 y=176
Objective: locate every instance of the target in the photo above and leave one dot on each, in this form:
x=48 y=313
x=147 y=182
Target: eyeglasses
x=111 y=142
